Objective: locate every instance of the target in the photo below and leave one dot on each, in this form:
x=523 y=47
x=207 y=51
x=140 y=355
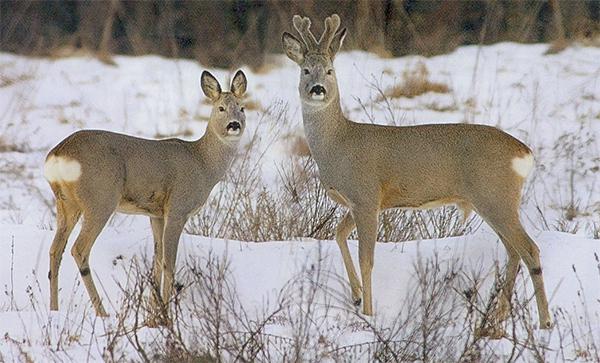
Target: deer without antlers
x=94 y=173
x=368 y=168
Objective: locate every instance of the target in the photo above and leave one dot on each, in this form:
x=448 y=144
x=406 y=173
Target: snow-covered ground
x=551 y=102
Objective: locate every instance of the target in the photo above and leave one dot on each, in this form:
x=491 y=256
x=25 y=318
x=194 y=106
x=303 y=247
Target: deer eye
x=330 y=72
x=242 y=108
x=305 y=70
x=221 y=109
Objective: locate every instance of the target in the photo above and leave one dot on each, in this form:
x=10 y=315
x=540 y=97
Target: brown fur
x=167 y=180
x=368 y=168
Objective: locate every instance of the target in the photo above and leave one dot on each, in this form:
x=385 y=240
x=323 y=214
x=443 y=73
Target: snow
x=260 y=272
x=551 y=102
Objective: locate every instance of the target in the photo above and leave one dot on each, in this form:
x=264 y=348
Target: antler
x=332 y=24
x=302 y=26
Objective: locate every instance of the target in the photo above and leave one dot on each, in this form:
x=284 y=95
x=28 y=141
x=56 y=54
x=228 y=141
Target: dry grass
x=184 y=132
x=439 y=107
x=6 y=80
x=298 y=145
x=8 y=146
x=252 y=105
x=557 y=46
x=416 y=82
x=444 y=308
x=270 y=63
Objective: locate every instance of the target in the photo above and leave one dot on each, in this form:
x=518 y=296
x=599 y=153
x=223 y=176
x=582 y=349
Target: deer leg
x=342 y=232
x=173 y=229
x=465 y=210
x=93 y=223
x=530 y=253
x=158 y=225
x=366 y=226
x=503 y=307
x=514 y=235
x=504 y=300
x=67 y=216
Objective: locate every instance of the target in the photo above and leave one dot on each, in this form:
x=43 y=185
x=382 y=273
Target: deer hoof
x=548 y=324
x=491 y=332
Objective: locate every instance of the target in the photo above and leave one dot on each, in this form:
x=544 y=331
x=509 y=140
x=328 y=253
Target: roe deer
x=368 y=168
x=94 y=173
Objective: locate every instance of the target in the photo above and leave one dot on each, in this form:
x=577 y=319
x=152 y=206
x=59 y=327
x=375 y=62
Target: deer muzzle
x=234 y=128
x=317 y=92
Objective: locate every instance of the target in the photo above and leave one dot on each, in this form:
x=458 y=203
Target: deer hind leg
x=342 y=232
x=93 y=223
x=530 y=253
x=67 y=215
x=514 y=236
x=504 y=300
x=366 y=226
x=503 y=307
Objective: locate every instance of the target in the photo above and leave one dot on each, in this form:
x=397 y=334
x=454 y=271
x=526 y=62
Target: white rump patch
x=58 y=168
x=523 y=166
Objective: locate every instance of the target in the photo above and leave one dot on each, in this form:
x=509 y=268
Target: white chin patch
x=232 y=132
x=317 y=97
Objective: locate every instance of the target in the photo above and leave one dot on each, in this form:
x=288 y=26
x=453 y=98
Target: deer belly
x=147 y=207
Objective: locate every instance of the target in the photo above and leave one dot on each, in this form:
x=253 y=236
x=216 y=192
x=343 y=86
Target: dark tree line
x=225 y=33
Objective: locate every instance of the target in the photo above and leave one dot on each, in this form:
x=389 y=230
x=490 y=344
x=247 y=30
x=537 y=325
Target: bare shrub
x=246 y=209
x=570 y=175
x=208 y=324
x=438 y=319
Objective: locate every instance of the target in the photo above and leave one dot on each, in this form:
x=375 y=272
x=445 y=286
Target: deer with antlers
x=369 y=168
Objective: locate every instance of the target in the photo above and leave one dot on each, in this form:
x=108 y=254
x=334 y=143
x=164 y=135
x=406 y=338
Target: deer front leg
x=158 y=310
x=366 y=226
x=158 y=226
x=172 y=232
x=343 y=230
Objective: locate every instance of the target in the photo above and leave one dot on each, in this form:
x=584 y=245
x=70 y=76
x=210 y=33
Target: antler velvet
x=332 y=24
x=302 y=26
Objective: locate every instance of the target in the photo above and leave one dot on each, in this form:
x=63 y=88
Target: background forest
x=220 y=33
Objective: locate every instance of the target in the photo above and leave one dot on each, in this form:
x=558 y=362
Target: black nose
x=234 y=125
x=318 y=90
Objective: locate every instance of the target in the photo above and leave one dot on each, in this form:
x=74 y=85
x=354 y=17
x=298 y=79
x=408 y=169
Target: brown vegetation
x=415 y=82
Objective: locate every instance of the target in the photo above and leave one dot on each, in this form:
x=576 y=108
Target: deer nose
x=318 y=90
x=234 y=126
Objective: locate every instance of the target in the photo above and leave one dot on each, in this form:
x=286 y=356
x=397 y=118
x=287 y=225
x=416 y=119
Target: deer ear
x=293 y=48
x=239 y=84
x=336 y=43
x=210 y=86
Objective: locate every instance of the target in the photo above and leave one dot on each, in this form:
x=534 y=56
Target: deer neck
x=215 y=153
x=323 y=125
